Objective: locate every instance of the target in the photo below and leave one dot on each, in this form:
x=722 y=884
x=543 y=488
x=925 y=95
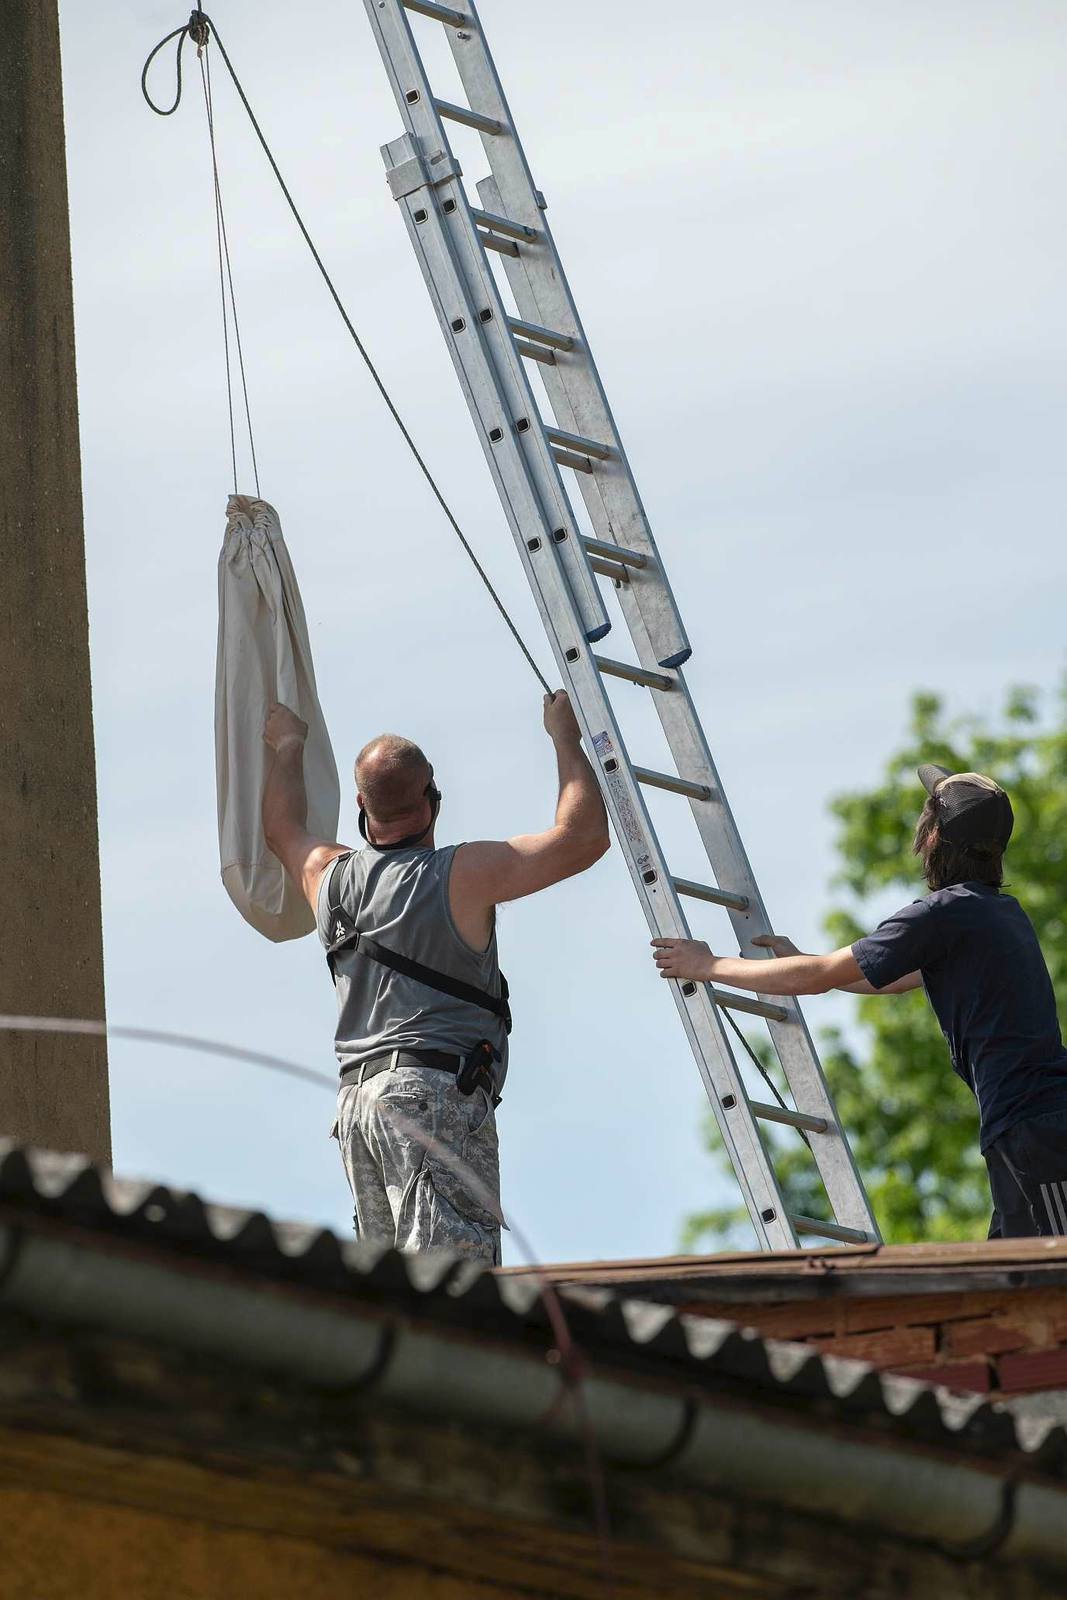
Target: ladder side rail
x=522 y=415
x=450 y=290
x=729 y=861
x=448 y=294
x=576 y=399
x=732 y=870
x=611 y=496
x=418 y=107
x=719 y=833
x=793 y=1044
x=695 y=1003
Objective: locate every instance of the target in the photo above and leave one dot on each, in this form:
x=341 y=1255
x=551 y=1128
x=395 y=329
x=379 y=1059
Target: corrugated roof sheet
x=44 y=1190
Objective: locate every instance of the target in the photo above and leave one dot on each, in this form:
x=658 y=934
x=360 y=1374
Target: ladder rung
x=832 y=1230
x=575 y=441
x=429 y=8
x=505 y=247
x=664 y=780
x=717 y=897
x=614 y=552
x=792 y=1119
x=539 y=335
x=576 y=463
x=622 y=669
x=610 y=569
x=513 y=230
x=533 y=352
x=756 y=1008
x=471 y=119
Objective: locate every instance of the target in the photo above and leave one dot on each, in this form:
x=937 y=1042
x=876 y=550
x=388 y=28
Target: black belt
x=385 y=1060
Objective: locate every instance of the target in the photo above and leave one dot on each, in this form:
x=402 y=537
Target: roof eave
x=723 y=1441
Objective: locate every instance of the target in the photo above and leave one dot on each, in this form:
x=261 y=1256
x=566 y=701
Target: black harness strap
x=344 y=935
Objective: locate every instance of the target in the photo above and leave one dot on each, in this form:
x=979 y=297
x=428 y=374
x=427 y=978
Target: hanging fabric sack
x=264 y=654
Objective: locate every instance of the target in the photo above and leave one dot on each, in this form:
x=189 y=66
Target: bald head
x=391 y=775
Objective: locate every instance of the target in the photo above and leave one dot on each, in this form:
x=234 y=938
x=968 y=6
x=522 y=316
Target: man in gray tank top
x=410 y=931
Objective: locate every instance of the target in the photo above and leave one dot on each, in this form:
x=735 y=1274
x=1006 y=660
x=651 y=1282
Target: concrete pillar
x=53 y=1089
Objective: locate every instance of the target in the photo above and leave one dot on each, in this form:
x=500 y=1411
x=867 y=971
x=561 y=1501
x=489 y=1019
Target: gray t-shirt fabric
x=400 y=897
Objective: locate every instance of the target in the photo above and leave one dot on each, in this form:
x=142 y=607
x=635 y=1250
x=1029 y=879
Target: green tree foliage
x=912 y=1123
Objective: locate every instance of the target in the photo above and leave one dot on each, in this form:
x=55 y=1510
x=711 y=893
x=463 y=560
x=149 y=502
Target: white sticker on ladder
x=628 y=819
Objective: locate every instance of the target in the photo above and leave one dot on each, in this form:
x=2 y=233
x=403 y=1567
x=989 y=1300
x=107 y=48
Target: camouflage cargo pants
x=422 y=1162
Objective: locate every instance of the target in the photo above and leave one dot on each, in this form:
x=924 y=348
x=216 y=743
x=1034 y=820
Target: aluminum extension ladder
x=490 y=349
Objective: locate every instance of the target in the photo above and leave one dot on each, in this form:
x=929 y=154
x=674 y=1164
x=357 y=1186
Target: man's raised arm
x=487 y=873
x=285 y=806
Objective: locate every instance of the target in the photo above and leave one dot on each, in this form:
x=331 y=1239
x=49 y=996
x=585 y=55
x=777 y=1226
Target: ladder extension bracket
x=413 y=174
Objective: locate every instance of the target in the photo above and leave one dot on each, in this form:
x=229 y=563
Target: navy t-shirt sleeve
x=911 y=939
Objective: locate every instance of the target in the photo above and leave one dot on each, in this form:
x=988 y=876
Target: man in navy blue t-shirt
x=974 y=951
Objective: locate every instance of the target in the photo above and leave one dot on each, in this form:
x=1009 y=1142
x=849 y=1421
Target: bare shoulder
x=473 y=885
x=476 y=863
x=488 y=871
x=511 y=869
x=317 y=859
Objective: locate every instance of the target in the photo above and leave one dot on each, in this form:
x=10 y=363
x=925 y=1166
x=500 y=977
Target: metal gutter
x=842 y=1462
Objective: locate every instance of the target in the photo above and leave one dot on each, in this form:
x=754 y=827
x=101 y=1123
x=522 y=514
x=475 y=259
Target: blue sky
x=819 y=255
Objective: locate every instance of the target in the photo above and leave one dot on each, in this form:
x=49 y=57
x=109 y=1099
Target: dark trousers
x=1028 y=1177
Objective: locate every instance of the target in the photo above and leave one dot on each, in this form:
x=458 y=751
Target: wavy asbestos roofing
x=65 y=1196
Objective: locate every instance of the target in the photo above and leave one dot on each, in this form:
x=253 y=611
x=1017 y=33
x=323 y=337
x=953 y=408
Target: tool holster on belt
x=477 y=1071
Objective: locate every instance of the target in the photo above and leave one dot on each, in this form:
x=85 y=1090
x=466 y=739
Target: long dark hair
x=944 y=863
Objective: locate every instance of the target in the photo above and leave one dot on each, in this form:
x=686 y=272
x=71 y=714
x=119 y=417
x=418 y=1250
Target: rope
x=762 y=1070
x=200 y=27
x=179 y=34
x=226 y=277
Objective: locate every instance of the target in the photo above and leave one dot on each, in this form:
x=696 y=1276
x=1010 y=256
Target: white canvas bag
x=263 y=655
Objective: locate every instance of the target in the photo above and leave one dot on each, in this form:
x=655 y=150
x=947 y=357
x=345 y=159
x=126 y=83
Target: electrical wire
x=183 y=1041
x=572 y=1366
x=201 y=28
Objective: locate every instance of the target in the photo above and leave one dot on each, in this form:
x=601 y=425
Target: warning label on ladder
x=625 y=812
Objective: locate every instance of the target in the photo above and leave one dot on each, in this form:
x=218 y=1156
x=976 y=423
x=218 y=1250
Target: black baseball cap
x=971 y=808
